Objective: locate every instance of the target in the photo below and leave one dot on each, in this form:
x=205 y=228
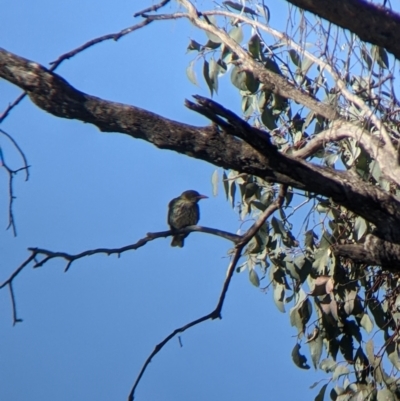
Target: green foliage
x=335 y=305
x=331 y=303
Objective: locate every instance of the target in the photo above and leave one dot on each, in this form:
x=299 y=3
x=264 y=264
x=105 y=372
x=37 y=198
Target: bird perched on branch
x=183 y=211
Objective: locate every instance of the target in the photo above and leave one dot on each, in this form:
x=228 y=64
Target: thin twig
x=54 y=64
x=13 y=305
x=48 y=255
x=114 y=36
x=11 y=173
x=152 y=8
x=11 y=106
x=20 y=151
x=160 y=345
x=216 y=313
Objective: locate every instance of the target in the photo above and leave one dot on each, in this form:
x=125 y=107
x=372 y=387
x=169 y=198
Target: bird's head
x=192 y=196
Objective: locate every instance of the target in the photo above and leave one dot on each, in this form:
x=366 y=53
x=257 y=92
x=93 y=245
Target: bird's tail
x=177 y=240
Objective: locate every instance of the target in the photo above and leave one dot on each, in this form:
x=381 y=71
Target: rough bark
x=234 y=145
x=374 y=251
x=372 y=23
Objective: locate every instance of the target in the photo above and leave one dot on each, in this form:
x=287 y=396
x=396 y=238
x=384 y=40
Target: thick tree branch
x=52 y=93
x=371 y=22
x=374 y=251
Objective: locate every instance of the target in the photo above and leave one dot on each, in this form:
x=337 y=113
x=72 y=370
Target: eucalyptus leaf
x=360 y=228
x=299 y=359
x=279 y=297
x=346 y=347
x=385 y=394
x=252 y=83
x=321 y=394
x=239 y=7
x=380 y=316
x=226 y=184
x=206 y=75
x=191 y=74
x=214 y=182
x=193 y=45
x=340 y=370
x=295 y=57
x=366 y=57
x=232 y=192
x=392 y=350
x=254 y=46
x=327 y=365
x=236 y=33
x=366 y=323
x=214 y=38
x=268 y=119
x=253 y=277
x=316 y=349
x=380 y=55
x=238 y=78
x=361 y=365
x=369 y=348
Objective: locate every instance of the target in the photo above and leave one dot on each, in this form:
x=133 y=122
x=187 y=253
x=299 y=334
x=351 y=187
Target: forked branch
x=216 y=313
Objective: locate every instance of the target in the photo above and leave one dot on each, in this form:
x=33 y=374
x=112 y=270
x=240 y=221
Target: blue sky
x=86 y=333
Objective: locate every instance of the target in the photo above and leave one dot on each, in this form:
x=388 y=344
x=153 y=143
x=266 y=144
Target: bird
x=183 y=211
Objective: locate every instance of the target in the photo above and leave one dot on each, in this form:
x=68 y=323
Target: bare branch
x=54 y=64
x=112 y=36
x=21 y=152
x=152 y=8
x=161 y=345
x=70 y=258
x=216 y=313
x=11 y=175
x=13 y=305
x=11 y=106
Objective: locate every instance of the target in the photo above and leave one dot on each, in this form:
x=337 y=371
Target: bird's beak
x=202 y=197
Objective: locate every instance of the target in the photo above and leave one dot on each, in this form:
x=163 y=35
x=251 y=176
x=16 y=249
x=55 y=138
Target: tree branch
x=371 y=22
x=54 y=64
x=275 y=82
x=387 y=152
x=374 y=251
x=70 y=258
x=11 y=175
x=52 y=93
x=341 y=129
x=155 y=7
x=216 y=313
